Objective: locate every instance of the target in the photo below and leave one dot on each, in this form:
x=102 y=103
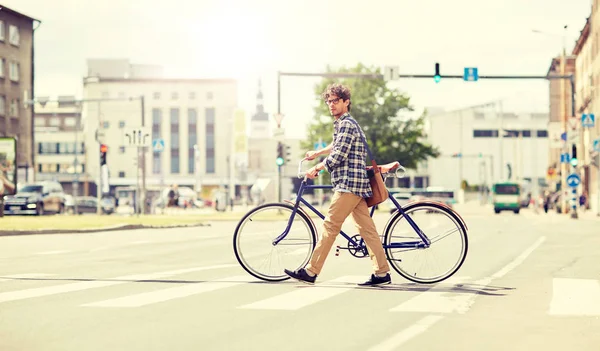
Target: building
x=587 y=75
x=482 y=147
x=182 y=116
x=59 y=144
x=558 y=112
x=16 y=85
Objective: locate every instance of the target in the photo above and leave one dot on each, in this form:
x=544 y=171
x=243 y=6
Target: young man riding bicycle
x=347 y=165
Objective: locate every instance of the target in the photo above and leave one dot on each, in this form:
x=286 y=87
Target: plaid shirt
x=347 y=160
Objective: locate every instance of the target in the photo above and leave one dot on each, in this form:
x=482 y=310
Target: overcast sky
x=252 y=39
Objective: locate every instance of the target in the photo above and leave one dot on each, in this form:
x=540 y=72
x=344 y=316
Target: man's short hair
x=338 y=90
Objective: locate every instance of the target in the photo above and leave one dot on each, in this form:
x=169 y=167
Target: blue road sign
x=471 y=74
x=596 y=145
x=320 y=146
x=573 y=180
x=563 y=136
x=565 y=158
x=158 y=145
x=588 y=120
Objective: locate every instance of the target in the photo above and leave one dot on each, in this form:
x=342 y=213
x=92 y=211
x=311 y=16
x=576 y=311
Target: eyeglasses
x=332 y=101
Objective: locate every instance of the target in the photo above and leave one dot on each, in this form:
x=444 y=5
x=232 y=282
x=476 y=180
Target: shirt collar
x=342 y=117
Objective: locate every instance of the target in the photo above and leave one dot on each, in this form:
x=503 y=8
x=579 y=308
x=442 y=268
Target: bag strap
x=363 y=139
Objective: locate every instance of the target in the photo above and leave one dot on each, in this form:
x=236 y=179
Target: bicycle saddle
x=388 y=167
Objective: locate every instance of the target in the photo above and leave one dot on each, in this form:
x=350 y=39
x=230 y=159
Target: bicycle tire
x=239 y=228
x=398 y=216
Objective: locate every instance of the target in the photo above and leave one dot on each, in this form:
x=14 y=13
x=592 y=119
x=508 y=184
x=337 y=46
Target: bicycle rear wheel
x=411 y=257
x=254 y=235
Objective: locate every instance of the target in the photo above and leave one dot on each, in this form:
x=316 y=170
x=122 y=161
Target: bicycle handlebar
x=400 y=169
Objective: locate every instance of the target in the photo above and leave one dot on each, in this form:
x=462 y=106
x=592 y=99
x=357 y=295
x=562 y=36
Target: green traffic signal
x=279 y=161
x=437 y=79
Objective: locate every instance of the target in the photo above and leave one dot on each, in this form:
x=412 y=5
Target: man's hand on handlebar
x=311 y=155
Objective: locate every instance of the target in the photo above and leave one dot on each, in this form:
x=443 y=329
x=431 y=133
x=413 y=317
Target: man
x=347 y=164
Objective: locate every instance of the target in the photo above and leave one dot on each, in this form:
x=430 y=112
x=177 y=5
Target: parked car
x=36 y=198
x=401 y=198
x=89 y=204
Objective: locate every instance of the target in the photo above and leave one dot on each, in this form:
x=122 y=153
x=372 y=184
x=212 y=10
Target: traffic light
x=437 y=77
x=103 y=151
x=280 y=151
x=574 y=160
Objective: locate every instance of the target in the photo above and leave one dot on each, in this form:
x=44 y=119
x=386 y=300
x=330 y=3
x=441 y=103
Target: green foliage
x=391 y=137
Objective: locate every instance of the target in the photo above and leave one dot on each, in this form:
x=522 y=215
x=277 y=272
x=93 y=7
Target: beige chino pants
x=342 y=205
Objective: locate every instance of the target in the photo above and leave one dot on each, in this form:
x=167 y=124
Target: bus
x=506 y=197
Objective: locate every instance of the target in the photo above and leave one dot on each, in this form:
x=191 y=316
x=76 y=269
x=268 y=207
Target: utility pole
x=143 y=161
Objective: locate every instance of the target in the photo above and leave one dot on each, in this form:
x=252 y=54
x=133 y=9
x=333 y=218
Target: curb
x=98 y=229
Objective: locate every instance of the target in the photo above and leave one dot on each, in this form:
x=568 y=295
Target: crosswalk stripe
x=24 y=276
x=438 y=301
x=575 y=297
x=405 y=335
x=58 y=289
x=148 y=298
x=305 y=296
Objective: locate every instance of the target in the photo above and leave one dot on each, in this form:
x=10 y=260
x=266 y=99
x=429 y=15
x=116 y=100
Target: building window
x=54 y=121
x=121 y=149
x=105 y=124
x=2 y=105
x=210 y=141
x=192 y=138
x=156 y=95
x=121 y=124
x=39 y=122
x=14 y=108
x=542 y=133
x=209 y=95
x=2 y=35
x=2 y=60
x=121 y=95
x=485 y=133
x=174 y=140
x=174 y=96
x=13 y=35
x=13 y=71
x=70 y=121
x=121 y=174
x=192 y=95
x=105 y=94
x=526 y=133
x=156 y=126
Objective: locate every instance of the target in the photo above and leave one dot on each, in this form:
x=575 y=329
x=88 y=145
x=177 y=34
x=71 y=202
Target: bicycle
x=297 y=246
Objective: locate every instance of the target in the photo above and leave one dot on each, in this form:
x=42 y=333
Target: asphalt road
x=530 y=282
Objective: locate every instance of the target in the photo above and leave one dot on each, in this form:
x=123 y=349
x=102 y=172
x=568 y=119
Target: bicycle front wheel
x=254 y=235
x=411 y=257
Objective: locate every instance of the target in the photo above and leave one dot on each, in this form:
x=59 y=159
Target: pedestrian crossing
x=570 y=297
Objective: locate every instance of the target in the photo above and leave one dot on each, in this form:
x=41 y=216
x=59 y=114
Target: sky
x=253 y=39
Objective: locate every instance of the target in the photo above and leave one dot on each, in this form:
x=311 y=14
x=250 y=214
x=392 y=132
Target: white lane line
x=24 y=276
x=405 y=335
x=151 y=297
x=462 y=305
x=52 y=252
x=58 y=289
x=438 y=301
x=304 y=296
x=575 y=297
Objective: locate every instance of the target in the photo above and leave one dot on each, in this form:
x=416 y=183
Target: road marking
x=405 y=335
x=58 y=289
x=305 y=296
x=460 y=304
x=517 y=261
x=52 y=252
x=439 y=301
x=24 y=276
x=148 y=298
x=575 y=297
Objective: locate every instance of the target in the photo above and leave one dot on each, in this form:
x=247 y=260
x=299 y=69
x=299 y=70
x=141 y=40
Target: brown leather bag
x=380 y=192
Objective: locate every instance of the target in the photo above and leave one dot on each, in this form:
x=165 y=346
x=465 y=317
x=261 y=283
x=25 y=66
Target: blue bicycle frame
x=424 y=243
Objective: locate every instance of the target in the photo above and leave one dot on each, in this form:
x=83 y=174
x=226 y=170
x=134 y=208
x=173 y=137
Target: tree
x=391 y=136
